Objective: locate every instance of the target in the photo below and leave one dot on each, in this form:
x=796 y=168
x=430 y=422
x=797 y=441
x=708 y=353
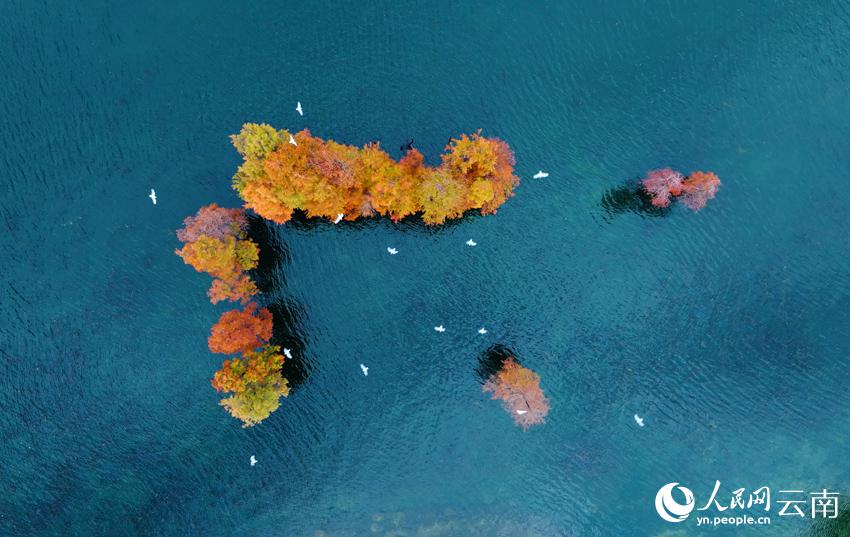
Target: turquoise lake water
x=728 y=330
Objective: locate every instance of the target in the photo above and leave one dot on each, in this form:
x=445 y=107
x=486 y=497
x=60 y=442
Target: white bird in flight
x=287 y=353
x=292 y=140
x=541 y=175
x=365 y=370
x=471 y=242
x=392 y=251
x=639 y=420
x=253 y=460
x=440 y=328
x=299 y=109
x=482 y=330
x=521 y=412
x=339 y=217
x=152 y=196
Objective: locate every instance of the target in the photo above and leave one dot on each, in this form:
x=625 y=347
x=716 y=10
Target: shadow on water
x=269 y=277
x=631 y=198
x=274 y=254
x=285 y=316
x=412 y=224
x=490 y=362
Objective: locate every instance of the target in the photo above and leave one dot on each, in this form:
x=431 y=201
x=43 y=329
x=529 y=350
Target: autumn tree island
x=283 y=172
x=326 y=179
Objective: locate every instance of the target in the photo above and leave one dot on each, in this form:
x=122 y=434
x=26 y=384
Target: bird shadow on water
x=631 y=197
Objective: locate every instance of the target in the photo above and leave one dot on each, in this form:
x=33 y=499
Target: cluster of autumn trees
x=694 y=190
x=519 y=390
x=254 y=377
x=282 y=173
x=327 y=179
x=215 y=242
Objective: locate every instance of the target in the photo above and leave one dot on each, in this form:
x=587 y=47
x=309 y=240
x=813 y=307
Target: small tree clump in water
x=519 y=390
x=698 y=188
x=241 y=331
x=215 y=242
x=695 y=190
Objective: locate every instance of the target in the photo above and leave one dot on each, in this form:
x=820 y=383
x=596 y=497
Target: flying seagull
x=521 y=412
x=365 y=370
x=339 y=217
x=287 y=353
x=639 y=420
x=471 y=242
x=392 y=251
x=482 y=330
x=299 y=109
x=292 y=140
x=253 y=460
x=440 y=328
x=541 y=175
x=152 y=196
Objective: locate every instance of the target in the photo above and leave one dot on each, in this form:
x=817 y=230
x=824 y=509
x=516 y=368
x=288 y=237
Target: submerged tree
x=256 y=384
x=215 y=242
x=213 y=221
x=241 y=331
x=238 y=289
x=519 y=390
x=694 y=190
x=325 y=179
x=257 y=402
x=698 y=188
x=661 y=184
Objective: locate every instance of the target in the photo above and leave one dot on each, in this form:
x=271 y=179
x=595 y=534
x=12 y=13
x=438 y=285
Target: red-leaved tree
x=241 y=331
x=698 y=188
x=519 y=389
x=213 y=221
x=694 y=190
x=661 y=184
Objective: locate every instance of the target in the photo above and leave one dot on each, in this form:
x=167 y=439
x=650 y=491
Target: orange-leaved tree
x=325 y=179
x=241 y=331
x=215 y=242
x=519 y=389
x=256 y=384
x=698 y=188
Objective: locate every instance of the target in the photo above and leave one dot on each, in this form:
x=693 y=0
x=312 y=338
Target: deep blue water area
x=728 y=330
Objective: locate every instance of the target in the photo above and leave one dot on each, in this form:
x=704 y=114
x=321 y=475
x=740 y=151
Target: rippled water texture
x=727 y=330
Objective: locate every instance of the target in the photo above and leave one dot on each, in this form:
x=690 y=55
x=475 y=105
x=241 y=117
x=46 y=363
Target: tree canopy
x=241 y=331
x=215 y=242
x=325 y=178
x=519 y=390
x=694 y=191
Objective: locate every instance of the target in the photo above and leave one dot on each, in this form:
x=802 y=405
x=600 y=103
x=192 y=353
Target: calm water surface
x=728 y=330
